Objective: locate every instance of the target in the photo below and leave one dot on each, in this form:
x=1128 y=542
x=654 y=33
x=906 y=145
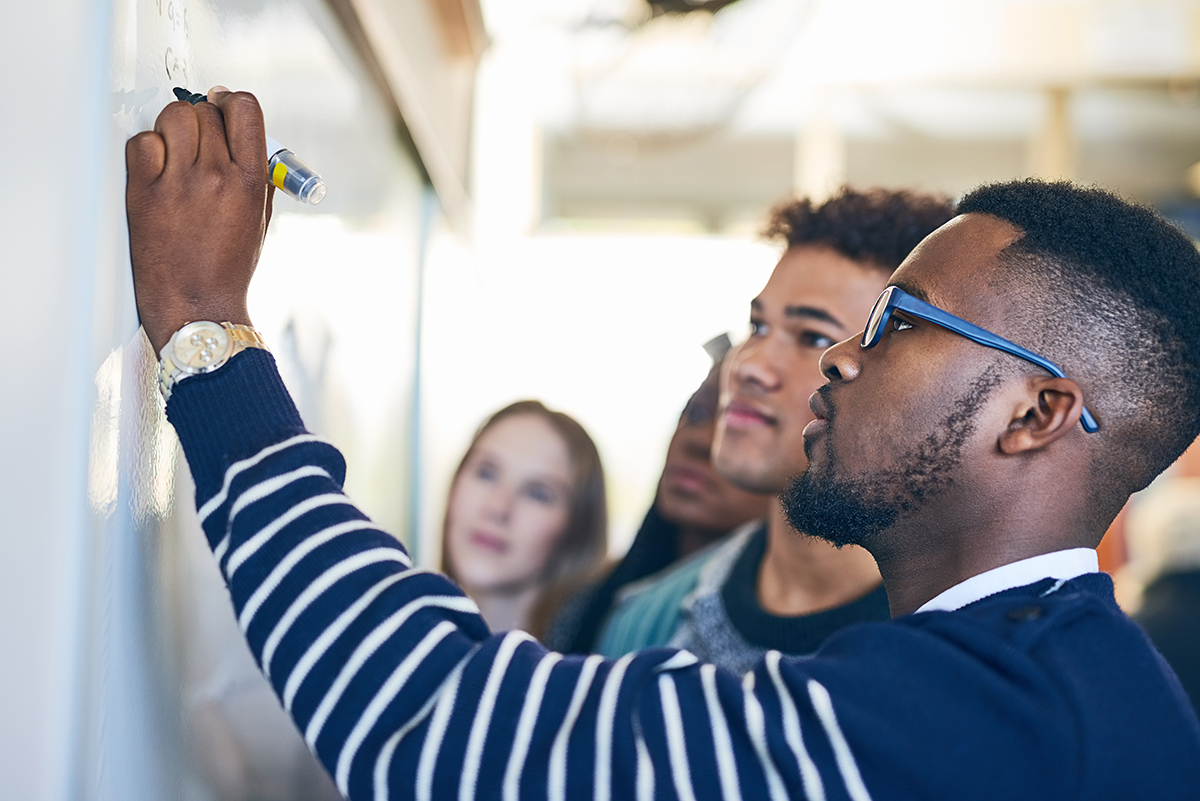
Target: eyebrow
x=803 y=312
x=915 y=291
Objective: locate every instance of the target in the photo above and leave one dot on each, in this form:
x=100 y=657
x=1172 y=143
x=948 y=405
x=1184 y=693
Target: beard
x=854 y=510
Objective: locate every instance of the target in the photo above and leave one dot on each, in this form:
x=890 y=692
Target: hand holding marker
x=287 y=170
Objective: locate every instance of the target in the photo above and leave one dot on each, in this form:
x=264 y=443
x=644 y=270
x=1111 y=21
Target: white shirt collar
x=1061 y=565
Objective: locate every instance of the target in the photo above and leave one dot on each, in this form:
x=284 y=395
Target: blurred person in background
x=527 y=518
x=693 y=507
x=691 y=493
x=1163 y=537
x=767 y=587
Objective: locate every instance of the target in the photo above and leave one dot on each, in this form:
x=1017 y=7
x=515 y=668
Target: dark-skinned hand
x=198 y=203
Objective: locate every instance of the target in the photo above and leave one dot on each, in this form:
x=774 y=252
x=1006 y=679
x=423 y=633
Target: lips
x=489 y=542
x=688 y=480
x=822 y=410
x=819 y=406
x=740 y=414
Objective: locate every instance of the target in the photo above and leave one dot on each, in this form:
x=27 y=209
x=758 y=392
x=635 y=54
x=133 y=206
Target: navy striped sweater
x=402 y=692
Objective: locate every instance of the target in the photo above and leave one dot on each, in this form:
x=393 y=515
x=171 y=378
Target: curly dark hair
x=878 y=227
x=1110 y=291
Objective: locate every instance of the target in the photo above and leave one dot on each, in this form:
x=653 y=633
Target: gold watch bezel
x=183 y=347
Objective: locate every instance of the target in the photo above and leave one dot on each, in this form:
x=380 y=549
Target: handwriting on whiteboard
x=175 y=61
x=176 y=13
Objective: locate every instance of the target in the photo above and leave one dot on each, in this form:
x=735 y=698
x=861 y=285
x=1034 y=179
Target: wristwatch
x=202 y=347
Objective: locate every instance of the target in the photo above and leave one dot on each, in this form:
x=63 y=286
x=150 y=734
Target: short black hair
x=878 y=227
x=1109 y=290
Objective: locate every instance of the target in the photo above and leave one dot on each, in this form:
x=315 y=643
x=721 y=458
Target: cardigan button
x=1024 y=613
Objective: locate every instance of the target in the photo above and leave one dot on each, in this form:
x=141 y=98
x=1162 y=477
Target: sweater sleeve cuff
x=231 y=414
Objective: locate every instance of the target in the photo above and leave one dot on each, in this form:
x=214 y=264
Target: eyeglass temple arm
x=933 y=314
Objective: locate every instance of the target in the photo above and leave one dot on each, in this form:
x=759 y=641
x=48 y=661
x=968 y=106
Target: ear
x=1048 y=410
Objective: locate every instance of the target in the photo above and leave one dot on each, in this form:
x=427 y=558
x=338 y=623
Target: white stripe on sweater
x=814 y=790
x=268 y=486
x=234 y=469
x=1057 y=586
x=645 y=771
x=606 y=716
x=367 y=648
x=676 y=743
x=384 y=697
x=823 y=704
x=483 y=712
x=722 y=742
x=678 y=661
x=251 y=546
x=334 y=630
x=314 y=590
x=524 y=734
x=388 y=752
x=279 y=573
x=756 y=726
x=432 y=746
x=556 y=781
x=257 y=493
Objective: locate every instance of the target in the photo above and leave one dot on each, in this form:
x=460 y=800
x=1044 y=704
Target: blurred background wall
x=528 y=198
x=627 y=151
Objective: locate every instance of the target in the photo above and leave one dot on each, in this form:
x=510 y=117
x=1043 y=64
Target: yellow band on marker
x=279 y=174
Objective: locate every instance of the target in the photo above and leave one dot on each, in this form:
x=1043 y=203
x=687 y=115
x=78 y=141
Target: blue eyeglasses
x=896 y=298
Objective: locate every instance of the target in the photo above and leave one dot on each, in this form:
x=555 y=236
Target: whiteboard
x=125 y=675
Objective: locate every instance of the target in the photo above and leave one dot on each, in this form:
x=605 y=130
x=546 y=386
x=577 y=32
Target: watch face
x=199 y=347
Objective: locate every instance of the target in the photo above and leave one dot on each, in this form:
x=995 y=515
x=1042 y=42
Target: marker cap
x=289 y=173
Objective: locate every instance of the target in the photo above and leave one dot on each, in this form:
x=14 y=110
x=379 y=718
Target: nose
x=842 y=361
x=697 y=440
x=756 y=363
x=498 y=504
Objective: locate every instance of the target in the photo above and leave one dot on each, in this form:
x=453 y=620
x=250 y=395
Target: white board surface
x=123 y=675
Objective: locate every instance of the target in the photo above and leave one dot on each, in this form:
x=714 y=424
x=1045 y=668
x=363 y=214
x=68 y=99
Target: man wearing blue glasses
x=999 y=458
x=1038 y=362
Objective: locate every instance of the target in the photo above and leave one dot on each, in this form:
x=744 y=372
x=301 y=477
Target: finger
x=145 y=157
x=211 y=126
x=180 y=132
x=244 y=129
x=216 y=92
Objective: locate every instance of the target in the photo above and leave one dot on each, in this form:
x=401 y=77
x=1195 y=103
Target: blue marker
x=287 y=171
